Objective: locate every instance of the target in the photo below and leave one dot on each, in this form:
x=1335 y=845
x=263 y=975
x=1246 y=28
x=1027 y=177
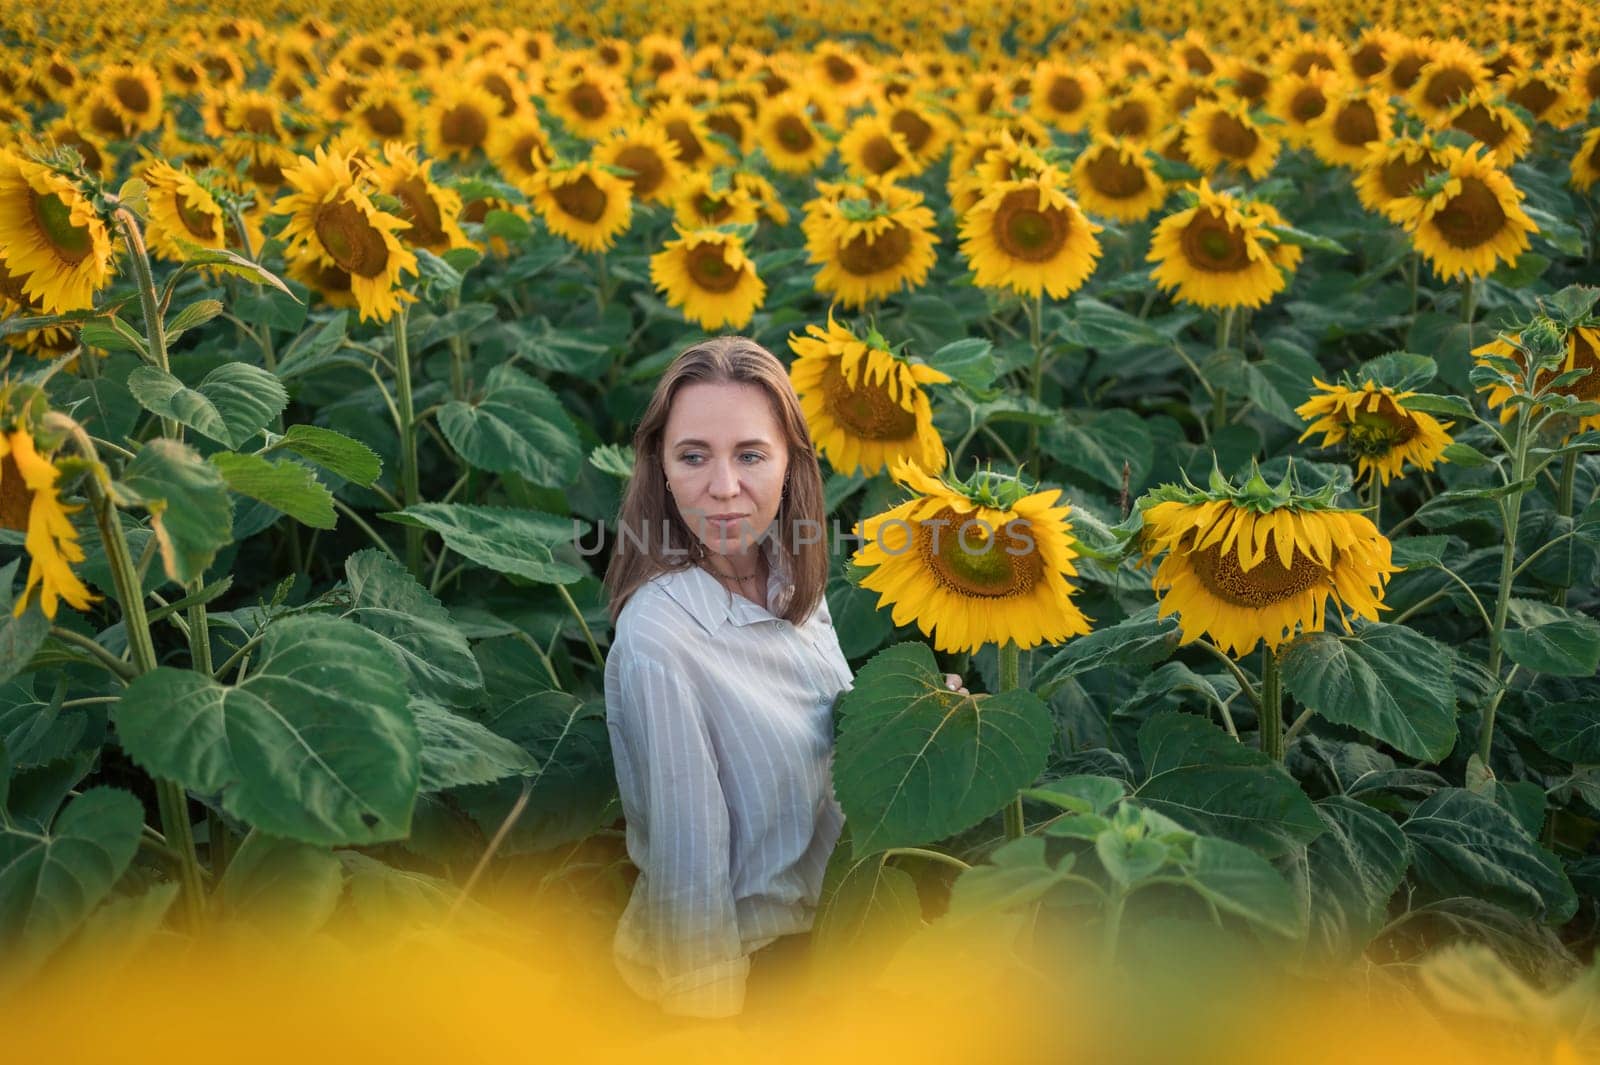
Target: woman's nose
x=724 y=482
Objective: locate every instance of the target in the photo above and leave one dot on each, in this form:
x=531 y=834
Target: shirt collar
x=711 y=604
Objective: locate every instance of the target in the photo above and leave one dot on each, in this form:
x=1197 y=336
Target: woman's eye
x=753 y=455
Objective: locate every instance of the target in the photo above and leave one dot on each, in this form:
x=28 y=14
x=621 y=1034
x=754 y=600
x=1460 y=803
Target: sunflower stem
x=1511 y=514
x=1219 y=404
x=1036 y=383
x=154 y=327
x=1469 y=307
x=458 y=351
x=409 y=492
x=1416 y=269
x=1271 y=706
x=1010 y=661
x=588 y=636
x=1569 y=472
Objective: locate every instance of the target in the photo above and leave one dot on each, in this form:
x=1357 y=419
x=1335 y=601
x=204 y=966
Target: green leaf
x=1095 y=324
x=1466 y=456
x=457 y=750
x=970 y=361
x=317 y=744
x=1568 y=647
x=1208 y=782
x=231 y=263
x=414 y=628
x=1454 y=406
x=196 y=314
x=1232 y=371
x=1084 y=793
x=515 y=542
x=1464 y=844
x=1237 y=879
x=113 y=334
x=288 y=486
x=230 y=404
x=1313 y=241
x=1016 y=874
x=114 y=934
x=1100 y=443
x=281 y=885
x=516 y=426
x=916 y=762
x=1350 y=872
x=20 y=637
x=338 y=454
x=1127 y=861
x=320 y=348
x=615 y=459
x=1399 y=370
x=1389 y=681
x=1141 y=640
x=50 y=881
x=1570 y=731
x=1420 y=552
x=864 y=900
x=103 y=405
x=190 y=510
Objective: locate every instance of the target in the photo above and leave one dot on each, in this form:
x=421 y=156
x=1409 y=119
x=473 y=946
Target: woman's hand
x=953 y=682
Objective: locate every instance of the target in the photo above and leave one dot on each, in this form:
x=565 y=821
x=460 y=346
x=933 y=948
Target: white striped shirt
x=720 y=725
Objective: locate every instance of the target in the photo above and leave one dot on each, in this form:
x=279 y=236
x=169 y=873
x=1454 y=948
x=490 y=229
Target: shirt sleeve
x=690 y=921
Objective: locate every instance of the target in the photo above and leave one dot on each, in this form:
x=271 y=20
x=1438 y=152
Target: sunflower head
x=1257 y=563
x=1030 y=237
x=872 y=239
x=707 y=274
x=31 y=503
x=1547 y=350
x=1223 y=134
x=1468 y=218
x=1220 y=252
x=431 y=210
x=986 y=560
x=51 y=238
x=583 y=202
x=788 y=135
x=1376 y=427
x=1116 y=180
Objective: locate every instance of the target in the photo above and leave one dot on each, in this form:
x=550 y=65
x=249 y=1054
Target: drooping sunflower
x=1583 y=353
x=789 y=137
x=584 y=203
x=1493 y=125
x=1355 y=122
x=925 y=131
x=703 y=200
x=51 y=239
x=1585 y=165
x=1393 y=171
x=1218 y=253
x=1376 y=427
x=866 y=406
x=649 y=156
x=182 y=212
x=1257 y=564
x=870 y=242
x=975 y=562
x=333 y=222
x=29 y=502
x=1113 y=179
x=1474 y=222
x=430 y=209
x=767 y=198
x=97 y=156
x=1063 y=95
x=1222 y=133
x=1030 y=237
x=706 y=273
x=457 y=121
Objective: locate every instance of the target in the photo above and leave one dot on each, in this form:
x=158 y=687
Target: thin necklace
x=737 y=576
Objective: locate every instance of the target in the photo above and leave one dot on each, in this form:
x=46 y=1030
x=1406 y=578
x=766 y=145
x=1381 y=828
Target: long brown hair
x=652 y=536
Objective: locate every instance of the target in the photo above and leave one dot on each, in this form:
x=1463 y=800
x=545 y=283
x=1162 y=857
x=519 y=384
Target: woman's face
x=725 y=460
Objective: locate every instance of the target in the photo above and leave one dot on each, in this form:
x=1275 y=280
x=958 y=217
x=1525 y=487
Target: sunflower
x=847 y=77
x=1009 y=160
x=519 y=148
x=1217 y=253
x=1583 y=353
x=1474 y=222
x=788 y=136
x=265 y=163
x=1030 y=237
x=1585 y=84
x=975 y=562
x=1355 y=121
x=29 y=501
x=51 y=239
x=182 y=212
x=679 y=119
x=865 y=405
x=1544 y=94
x=1063 y=95
x=132 y=92
x=1393 y=172
x=1376 y=427
x=871 y=241
x=1492 y=125
x=1136 y=114
x=871 y=148
x=650 y=157
x=97 y=157
x=1246 y=80
x=926 y=132
x=333 y=222
x=589 y=102
x=1585 y=163
x=385 y=110
x=1299 y=100
x=1113 y=179
x=430 y=209
x=1222 y=133
x=457 y=121
x=706 y=273
x=703 y=200
x=477 y=210
x=767 y=198
x=1454 y=72
x=584 y=203
x=1253 y=565
x=337 y=93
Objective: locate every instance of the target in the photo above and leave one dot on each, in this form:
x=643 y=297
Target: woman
x=720 y=680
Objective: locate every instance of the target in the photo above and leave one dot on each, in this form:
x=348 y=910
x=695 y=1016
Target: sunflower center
x=864 y=255
x=866 y=408
x=259 y=120
x=15 y=496
x=972 y=560
x=587 y=100
x=713 y=208
x=500 y=89
x=1131 y=118
x=353 y=243
x=422 y=211
x=840 y=70
x=1482 y=125
x=132 y=94
x=345 y=95
x=582 y=199
x=1065 y=95
x=913 y=127
x=1250 y=84
x=1591 y=83
x=1367 y=61
x=1265 y=583
x=105 y=120
x=1536 y=96
x=1307 y=104
x=1197 y=61
x=1024 y=231
x=1375 y=433
x=1210 y=243
x=689 y=147
x=200 y=223
x=879 y=155
x=1447 y=86
x=648 y=171
x=1472 y=217
x=1401 y=177
x=1585 y=357
x=265 y=172
x=1406 y=69
x=1232 y=138
x=463 y=126
x=385 y=120
x=1113 y=178
x=1355 y=124
x=709 y=270
x=54 y=221
x=792 y=133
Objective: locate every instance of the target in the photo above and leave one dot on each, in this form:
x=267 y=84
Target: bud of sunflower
x=1545 y=341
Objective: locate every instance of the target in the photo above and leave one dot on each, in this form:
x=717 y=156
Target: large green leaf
x=1100 y=443
x=1389 y=681
x=50 y=881
x=1207 y=781
x=338 y=454
x=516 y=542
x=516 y=426
x=457 y=750
x=288 y=486
x=1566 y=647
x=1464 y=844
x=415 y=628
x=1017 y=873
x=20 y=636
x=1348 y=875
x=1237 y=879
x=317 y=744
x=1570 y=731
x=281 y=885
x=230 y=404
x=190 y=510
x=1139 y=641
x=916 y=762
x=864 y=901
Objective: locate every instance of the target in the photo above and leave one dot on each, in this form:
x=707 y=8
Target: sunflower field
x=1271 y=327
